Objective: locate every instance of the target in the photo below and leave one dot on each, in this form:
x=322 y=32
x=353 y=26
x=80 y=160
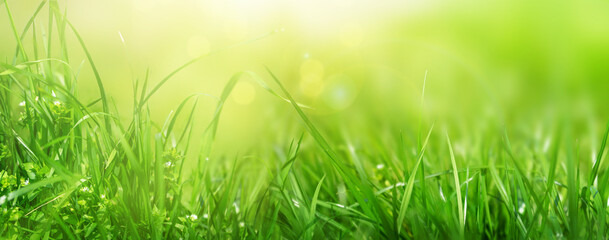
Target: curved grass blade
x=457 y=186
x=16 y=35
x=409 y=186
x=100 y=84
x=174 y=72
x=599 y=158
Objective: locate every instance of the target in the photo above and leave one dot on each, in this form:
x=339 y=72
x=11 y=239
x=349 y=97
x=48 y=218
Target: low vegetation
x=73 y=170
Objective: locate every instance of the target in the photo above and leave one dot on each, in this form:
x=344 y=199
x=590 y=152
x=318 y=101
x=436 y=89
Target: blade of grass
x=410 y=184
x=599 y=158
x=100 y=84
x=457 y=186
x=174 y=72
x=27 y=27
x=16 y=35
x=573 y=192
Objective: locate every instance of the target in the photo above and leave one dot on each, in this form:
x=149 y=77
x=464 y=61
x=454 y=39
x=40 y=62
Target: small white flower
x=205 y=215
x=27 y=182
x=380 y=166
x=168 y=164
x=207 y=159
x=296 y=203
x=36 y=98
x=521 y=208
x=57 y=103
x=241 y=224
x=193 y=217
x=85 y=189
x=22 y=103
x=103 y=196
x=236 y=207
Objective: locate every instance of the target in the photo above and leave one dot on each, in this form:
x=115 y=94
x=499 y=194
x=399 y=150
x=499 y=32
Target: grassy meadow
x=320 y=120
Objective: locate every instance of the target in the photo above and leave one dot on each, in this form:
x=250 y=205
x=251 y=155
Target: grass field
x=76 y=169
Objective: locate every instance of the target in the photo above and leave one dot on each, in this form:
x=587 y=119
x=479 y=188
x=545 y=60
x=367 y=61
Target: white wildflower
x=236 y=207
x=296 y=203
x=521 y=208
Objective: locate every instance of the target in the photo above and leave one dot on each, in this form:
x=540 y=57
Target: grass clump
x=73 y=170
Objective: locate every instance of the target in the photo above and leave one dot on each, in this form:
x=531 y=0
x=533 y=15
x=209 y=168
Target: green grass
x=74 y=170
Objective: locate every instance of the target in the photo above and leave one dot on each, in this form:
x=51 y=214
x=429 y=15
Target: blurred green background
x=359 y=64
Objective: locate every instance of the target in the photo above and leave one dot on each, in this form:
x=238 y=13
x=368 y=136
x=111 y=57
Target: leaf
x=410 y=184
